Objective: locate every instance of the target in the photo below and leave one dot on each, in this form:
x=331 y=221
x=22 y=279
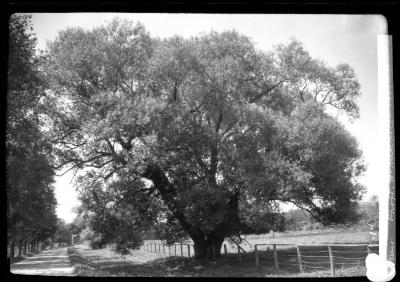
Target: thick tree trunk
x=205 y=247
x=211 y=247
x=12 y=250
x=20 y=248
x=208 y=248
x=169 y=195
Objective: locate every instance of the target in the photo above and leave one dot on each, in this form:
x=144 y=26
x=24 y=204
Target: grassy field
x=302 y=238
x=348 y=261
x=328 y=237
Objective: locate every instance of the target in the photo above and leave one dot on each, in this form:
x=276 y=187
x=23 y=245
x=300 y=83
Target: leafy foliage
x=31 y=202
x=118 y=213
x=86 y=234
x=63 y=233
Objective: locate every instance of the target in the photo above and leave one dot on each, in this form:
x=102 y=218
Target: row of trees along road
x=31 y=203
x=200 y=137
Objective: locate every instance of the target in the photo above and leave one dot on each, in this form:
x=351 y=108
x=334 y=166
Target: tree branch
x=267 y=91
x=169 y=196
x=301 y=92
x=200 y=162
x=79 y=163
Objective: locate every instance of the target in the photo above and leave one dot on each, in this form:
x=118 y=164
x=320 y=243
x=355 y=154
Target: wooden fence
x=180 y=249
x=285 y=256
x=313 y=257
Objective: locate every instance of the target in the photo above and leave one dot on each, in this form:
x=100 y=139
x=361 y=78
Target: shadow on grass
x=228 y=266
x=15 y=259
x=42 y=263
x=22 y=257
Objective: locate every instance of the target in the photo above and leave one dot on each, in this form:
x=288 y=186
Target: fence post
x=226 y=253
x=188 y=250
x=239 y=255
x=256 y=253
x=214 y=252
x=331 y=260
x=276 y=257
x=159 y=247
x=181 y=250
x=169 y=250
x=163 y=247
x=175 y=249
x=299 y=258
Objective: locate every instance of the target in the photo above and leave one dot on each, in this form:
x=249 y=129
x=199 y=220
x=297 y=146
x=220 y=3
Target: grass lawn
x=142 y=263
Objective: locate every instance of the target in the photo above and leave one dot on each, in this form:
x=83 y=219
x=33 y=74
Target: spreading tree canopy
x=202 y=136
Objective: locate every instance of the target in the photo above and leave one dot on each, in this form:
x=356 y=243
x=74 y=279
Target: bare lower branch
x=265 y=92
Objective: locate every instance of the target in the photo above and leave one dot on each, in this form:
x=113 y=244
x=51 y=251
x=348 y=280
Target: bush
x=86 y=234
x=97 y=242
x=124 y=244
x=312 y=226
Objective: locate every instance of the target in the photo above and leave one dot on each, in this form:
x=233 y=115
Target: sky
x=335 y=39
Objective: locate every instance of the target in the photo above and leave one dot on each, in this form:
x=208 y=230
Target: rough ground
x=103 y=263
x=53 y=262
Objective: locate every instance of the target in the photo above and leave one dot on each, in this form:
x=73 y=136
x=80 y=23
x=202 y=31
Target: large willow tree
x=203 y=136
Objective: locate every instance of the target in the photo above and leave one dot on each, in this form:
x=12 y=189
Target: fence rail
x=302 y=257
x=181 y=249
x=315 y=257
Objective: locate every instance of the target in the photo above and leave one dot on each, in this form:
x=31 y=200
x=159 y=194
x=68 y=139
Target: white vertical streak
x=384 y=139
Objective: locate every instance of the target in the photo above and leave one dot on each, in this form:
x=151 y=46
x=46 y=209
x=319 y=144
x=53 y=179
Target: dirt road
x=53 y=262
